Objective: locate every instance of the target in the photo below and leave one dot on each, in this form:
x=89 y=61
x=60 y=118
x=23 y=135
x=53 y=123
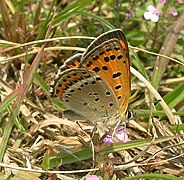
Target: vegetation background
x=36 y=37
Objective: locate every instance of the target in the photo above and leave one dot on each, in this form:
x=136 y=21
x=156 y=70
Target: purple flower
x=120 y=133
x=92 y=177
x=108 y=139
x=152 y=13
x=174 y=12
x=163 y=1
x=129 y=15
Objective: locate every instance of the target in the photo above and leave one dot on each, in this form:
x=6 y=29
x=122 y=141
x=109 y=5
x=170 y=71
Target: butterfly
x=95 y=85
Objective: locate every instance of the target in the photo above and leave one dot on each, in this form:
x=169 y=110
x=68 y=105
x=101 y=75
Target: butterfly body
x=95 y=85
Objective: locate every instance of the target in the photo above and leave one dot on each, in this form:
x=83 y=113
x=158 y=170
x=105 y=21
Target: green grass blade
x=70 y=10
x=174 y=97
x=101 y=20
x=85 y=154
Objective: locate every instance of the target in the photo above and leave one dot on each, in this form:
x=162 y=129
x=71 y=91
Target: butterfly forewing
x=110 y=60
x=115 y=33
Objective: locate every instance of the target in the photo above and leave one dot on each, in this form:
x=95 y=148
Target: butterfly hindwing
x=72 y=62
x=87 y=94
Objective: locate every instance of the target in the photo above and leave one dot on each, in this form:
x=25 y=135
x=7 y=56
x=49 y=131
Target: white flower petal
x=151 y=8
x=147 y=15
x=122 y=137
x=154 y=18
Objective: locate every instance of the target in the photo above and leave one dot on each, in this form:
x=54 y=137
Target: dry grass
x=37 y=142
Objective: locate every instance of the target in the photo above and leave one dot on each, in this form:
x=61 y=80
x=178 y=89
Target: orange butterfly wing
x=108 y=56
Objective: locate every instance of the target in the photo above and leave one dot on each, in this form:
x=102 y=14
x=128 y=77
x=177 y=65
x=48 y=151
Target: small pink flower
x=174 y=12
x=120 y=133
x=92 y=177
x=163 y=1
x=152 y=13
x=129 y=15
x=107 y=139
x=180 y=1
